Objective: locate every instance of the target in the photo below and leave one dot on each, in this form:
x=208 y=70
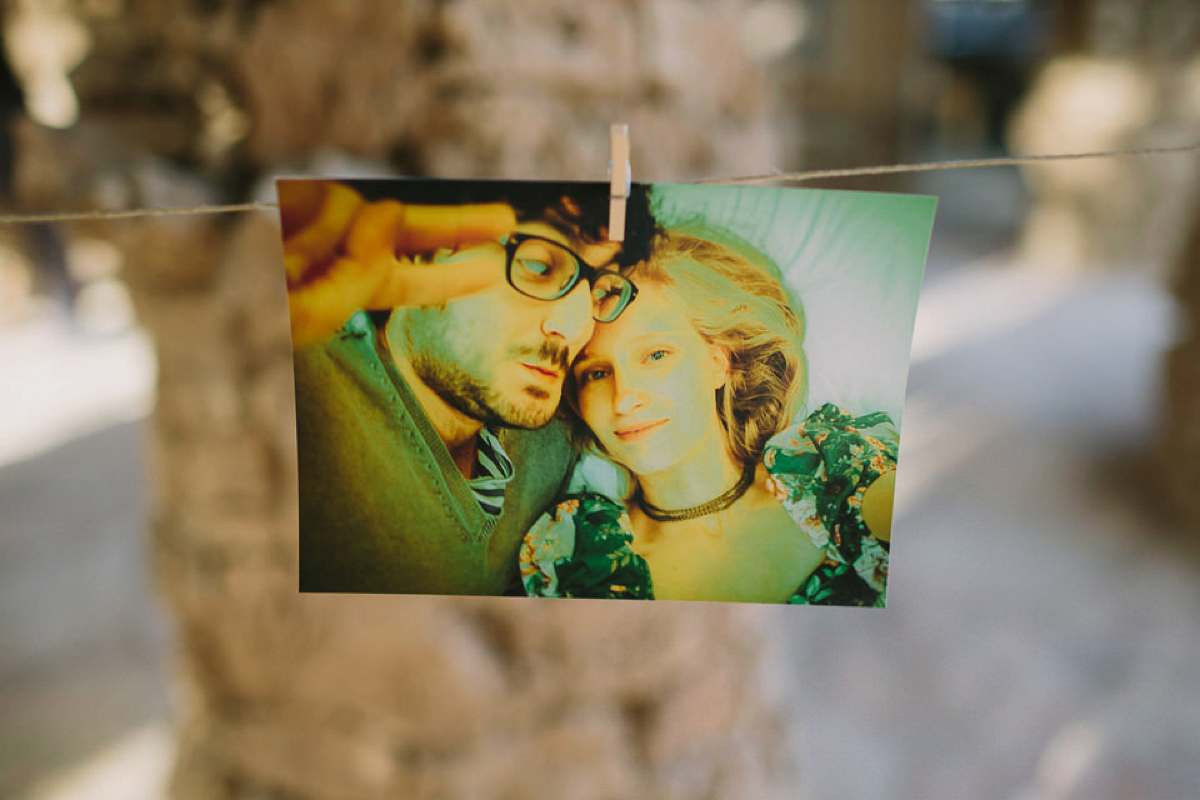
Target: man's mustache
x=550 y=353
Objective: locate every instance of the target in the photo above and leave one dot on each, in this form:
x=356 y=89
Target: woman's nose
x=570 y=317
x=629 y=396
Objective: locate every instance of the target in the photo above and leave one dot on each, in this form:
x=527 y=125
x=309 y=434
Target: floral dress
x=819 y=470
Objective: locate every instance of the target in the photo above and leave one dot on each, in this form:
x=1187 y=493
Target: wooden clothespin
x=620 y=180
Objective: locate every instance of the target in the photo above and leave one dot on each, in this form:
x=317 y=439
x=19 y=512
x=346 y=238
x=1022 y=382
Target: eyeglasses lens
x=543 y=270
x=610 y=295
x=546 y=270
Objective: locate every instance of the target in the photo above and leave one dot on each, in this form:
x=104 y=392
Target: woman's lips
x=634 y=433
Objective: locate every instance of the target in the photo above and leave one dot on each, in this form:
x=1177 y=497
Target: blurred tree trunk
x=845 y=86
x=1122 y=77
x=1126 y=77
x=1072 y=25
x=1180 y=463
x=290 y=696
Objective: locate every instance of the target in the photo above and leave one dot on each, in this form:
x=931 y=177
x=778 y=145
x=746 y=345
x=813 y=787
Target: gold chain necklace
x=718 y=503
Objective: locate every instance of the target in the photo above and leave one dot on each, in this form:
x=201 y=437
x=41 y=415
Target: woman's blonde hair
x=735 y=298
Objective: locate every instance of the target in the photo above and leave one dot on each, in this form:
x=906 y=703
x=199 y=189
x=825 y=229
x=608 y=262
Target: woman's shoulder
x=831 y=440
x=832 y=419
x=583 y=548
x=820 y=469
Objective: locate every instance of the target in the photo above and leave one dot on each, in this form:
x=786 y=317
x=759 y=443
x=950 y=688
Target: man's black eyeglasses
x=546 y=270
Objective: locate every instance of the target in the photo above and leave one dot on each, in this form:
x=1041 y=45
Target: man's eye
x=535 y=266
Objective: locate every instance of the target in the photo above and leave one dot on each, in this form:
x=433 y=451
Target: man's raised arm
x=343 y=254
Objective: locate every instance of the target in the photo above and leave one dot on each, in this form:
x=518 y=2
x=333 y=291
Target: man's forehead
x=539 y=228
x=598 y=254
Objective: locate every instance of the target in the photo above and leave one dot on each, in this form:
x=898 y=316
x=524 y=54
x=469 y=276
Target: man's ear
x=720 y=365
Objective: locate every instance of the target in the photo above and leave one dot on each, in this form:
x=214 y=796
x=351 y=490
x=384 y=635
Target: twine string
x=931 y=166
x=75 y=216
x=787 y=177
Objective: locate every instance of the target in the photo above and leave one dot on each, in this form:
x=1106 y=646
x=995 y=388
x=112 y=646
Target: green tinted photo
x=494 y=398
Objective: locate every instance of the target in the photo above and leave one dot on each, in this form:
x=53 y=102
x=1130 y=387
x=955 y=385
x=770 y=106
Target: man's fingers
x=299 y=203
x=328 y=214
x=429 y=284
x=361 y=251
x=429 y=228
x=319 y=309
x=392 y=227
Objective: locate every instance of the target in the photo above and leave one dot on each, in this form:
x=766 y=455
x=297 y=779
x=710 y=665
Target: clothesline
x=775 y=177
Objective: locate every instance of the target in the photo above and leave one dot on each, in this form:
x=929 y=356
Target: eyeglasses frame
x=582 y=270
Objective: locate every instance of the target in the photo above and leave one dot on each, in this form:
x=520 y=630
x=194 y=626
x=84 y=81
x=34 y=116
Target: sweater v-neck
x=443 y=471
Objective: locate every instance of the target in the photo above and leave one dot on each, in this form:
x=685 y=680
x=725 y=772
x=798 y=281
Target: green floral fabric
x=819 y=470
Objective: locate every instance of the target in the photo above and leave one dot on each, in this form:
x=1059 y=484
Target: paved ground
x=1043 y=627
x=83 y=648
x=84 y=651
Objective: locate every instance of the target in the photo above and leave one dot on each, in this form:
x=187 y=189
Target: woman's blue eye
x=589 y=375
x=657 y=355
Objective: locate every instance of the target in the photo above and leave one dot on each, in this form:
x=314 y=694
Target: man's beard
x=474 y=395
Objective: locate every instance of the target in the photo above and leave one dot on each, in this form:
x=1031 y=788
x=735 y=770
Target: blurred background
x=1043 y=626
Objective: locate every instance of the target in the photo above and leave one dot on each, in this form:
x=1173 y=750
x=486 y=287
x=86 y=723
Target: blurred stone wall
x=289 y=696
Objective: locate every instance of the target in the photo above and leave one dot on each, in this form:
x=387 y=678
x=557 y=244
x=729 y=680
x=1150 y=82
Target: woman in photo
x=692 y=391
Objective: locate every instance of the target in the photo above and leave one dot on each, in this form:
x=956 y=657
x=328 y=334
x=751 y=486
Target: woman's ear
x=720 y=365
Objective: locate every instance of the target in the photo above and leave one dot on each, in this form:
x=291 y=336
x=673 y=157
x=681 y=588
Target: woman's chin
x=646 y=463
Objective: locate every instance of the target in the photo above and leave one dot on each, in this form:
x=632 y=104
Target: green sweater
x=383 y=508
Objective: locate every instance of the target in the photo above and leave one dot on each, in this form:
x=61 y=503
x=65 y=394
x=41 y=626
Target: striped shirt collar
x=493 y=470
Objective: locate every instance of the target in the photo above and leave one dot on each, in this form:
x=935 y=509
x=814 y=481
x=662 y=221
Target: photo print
x=492 y=398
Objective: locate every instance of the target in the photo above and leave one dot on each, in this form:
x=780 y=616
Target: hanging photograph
x=493 y=398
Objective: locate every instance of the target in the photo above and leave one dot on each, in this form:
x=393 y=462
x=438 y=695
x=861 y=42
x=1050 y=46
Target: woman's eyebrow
x=654 y=336
x=584 y=359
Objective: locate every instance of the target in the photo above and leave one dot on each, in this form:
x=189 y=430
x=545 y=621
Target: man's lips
x=632 y=433
x=543 y=372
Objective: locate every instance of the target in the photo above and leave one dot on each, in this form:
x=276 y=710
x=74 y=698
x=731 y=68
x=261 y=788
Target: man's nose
x=570 y=318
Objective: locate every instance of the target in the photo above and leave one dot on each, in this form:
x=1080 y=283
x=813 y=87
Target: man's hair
x=734 y=296
x=578 y=210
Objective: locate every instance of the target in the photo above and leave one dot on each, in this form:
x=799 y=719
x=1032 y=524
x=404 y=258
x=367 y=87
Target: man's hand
x=343 y=254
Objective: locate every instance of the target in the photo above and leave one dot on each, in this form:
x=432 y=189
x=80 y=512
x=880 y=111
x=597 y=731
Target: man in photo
x=433 y=324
